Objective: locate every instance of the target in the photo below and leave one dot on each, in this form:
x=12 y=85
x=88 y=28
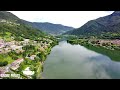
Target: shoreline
x=112 y=53
x=39 y=73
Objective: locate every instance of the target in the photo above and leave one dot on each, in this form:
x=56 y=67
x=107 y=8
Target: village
x=108 y=44
x=105 y=43
x=19 y=47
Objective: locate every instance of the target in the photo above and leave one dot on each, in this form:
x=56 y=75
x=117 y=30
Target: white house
x=26 y=40
x=32 y=57
x=15 y=47
x=28 y=72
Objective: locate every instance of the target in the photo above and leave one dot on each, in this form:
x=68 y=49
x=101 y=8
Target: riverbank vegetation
x=108 y=47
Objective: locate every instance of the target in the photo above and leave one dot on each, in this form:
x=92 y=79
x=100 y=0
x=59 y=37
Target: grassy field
x=6 y=58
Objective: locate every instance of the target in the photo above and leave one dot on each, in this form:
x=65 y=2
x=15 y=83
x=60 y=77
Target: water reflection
x=68 y=61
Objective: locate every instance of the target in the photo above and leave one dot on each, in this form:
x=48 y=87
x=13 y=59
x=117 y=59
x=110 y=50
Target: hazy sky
x=68 y=18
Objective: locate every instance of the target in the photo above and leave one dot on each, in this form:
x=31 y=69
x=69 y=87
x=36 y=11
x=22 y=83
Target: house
x=35 y=42
x=42 y=49
x=1 y=41
x=2 y=45
x=11 y=43
x=2 y=70
x=16 y=63
x=32 y=57
x=1 y=50
x=117 y=42
x=45 y=47
x=26 y=40
x=28 y=72
x=6 y=49
x=15 y=47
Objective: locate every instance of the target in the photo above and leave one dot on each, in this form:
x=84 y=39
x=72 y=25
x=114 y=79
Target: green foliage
x=20 y=32
x=28 y=47
x=14 y=55
x=3 y=63
x=113 y=54
x=6 y=57
x=107 y=27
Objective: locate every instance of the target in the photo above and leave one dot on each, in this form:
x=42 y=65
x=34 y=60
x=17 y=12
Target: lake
x=68 y=61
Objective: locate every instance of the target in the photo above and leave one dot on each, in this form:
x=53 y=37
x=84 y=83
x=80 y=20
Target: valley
x=35 y=50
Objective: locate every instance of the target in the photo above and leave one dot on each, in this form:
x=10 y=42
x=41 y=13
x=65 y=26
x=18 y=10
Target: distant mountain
x=102 y=25
x=19 y=25
x=50 y=28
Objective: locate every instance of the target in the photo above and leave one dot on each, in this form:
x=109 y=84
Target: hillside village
x=24 y=54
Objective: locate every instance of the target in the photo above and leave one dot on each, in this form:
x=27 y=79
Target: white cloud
x=69 y=18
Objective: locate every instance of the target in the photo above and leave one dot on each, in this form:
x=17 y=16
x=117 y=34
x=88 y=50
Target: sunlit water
x=68 y=61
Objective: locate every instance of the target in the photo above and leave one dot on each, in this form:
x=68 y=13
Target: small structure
x=32 y=57
x=42 y=49
x=26 y=40
x=28 y=72
x=16 y=64
x=2 y=70
x=2 y=45
x=15 y=47
x=1 y=50
x=1 y=41
x=45 y=47
x=117 y=42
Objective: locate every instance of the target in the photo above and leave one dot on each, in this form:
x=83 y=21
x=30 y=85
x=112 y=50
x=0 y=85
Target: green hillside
x=108 y=25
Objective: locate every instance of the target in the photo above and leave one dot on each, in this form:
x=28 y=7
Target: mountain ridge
x=106 y=24
x=12 y=24
x=49 y=27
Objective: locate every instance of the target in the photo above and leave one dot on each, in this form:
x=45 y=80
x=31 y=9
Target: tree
x=39 y=55
x=5 y=63
x=1 y=64
x=14 y=57
x=37 y=59
x=24 y=54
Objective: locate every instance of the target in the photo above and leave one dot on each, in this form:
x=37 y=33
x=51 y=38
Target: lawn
x=6 y=58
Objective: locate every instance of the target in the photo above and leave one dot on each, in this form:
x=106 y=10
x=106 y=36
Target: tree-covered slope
x=11 y=23
x=102 y=25
x=49 y=27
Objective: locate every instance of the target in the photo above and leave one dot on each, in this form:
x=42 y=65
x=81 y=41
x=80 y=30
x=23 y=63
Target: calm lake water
x=68 y=61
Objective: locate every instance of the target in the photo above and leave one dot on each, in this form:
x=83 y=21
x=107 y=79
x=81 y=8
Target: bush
x=14 y=57
x=3 y=63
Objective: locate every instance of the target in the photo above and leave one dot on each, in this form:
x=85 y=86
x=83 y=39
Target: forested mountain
x=50 y=27
x=12 y=24
x=104 y=25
